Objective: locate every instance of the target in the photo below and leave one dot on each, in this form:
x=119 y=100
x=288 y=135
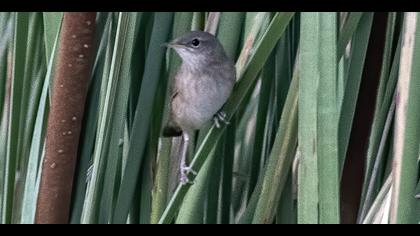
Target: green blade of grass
x=247 y=216
x=347 y=31
x=35 y=69
x=229 y=34
x=109 y=86
x=198 y=21
x=347 y=106
x=139 y=132
x=379 y=201
x=211 y=203
x=19 y=52
x=263 y=106
x=118 y=120
x=309 y=76
x=327 y=121
x=286 y=213
x=280 y=160
x=192 y=209
x=52 y=23
x=407 y=127
x=227 y=174
x=253 y=31
x=5 y=65
x=30 y=194
x=229 y=31
x=6 y=24
x=245 y=133
x=379 y=130
x=100 y=71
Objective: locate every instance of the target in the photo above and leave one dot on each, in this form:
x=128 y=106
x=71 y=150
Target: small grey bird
x=201 y=87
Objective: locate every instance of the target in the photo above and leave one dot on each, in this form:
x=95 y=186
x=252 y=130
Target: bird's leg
x=216 y=121
x=220 y=116
x=184 y=169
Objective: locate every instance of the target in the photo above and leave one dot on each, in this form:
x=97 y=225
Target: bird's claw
x=185 y=170
x=220 y=116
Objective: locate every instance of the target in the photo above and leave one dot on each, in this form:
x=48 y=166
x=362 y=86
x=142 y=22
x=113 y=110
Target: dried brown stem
x=69 y=92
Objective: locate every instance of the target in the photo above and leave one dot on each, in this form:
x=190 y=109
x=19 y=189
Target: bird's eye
x=195 y=42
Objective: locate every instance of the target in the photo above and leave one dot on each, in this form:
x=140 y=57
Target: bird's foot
x=185 y=170
x=220 y=117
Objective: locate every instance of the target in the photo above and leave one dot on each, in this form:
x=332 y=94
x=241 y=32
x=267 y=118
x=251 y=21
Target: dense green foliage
x=306 y=83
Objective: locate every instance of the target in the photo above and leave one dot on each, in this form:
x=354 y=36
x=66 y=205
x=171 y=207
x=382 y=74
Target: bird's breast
x=200 y=97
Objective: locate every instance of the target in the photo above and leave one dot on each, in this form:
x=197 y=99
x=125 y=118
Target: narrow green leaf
x=212 y=22
x=109 y=86
x=6 y=27
x=379 y=201
x=19 y=52
x=192 y=209
x=5 y=53
x=407 y=127
x=327 y=121
x=347 y=106
x=286 y=213
x=211 y=204
x=248 y=45
x=280 y=160
x=118 y=119
x=198 y=20
x=229 y=31
x=52 y=23
x=384 y=113
x=138 y=138
x=308 y=195
x=376 y=167
x=347 y=31
x=35 y=69
x=260 y=123
x=30 y=193
x=100 y=71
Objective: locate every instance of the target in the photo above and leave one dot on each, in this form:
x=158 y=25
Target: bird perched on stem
x=201 y=87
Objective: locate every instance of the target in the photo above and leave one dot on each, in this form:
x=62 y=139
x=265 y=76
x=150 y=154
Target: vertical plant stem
x=407 y=127
x=68 y=99
x=212 y=22
x=308 y=85
x=327 y=122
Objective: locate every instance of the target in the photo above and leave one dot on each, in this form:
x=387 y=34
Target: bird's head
x=198 y=48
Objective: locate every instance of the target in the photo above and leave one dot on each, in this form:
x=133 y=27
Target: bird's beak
x=173 y=45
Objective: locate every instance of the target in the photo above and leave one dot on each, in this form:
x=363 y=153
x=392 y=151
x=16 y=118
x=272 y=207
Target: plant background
x=323 y=120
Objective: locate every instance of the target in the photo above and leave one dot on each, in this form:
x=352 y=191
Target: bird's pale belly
x=198 y=103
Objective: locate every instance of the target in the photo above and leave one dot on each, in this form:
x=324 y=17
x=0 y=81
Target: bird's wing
x=171 y=129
